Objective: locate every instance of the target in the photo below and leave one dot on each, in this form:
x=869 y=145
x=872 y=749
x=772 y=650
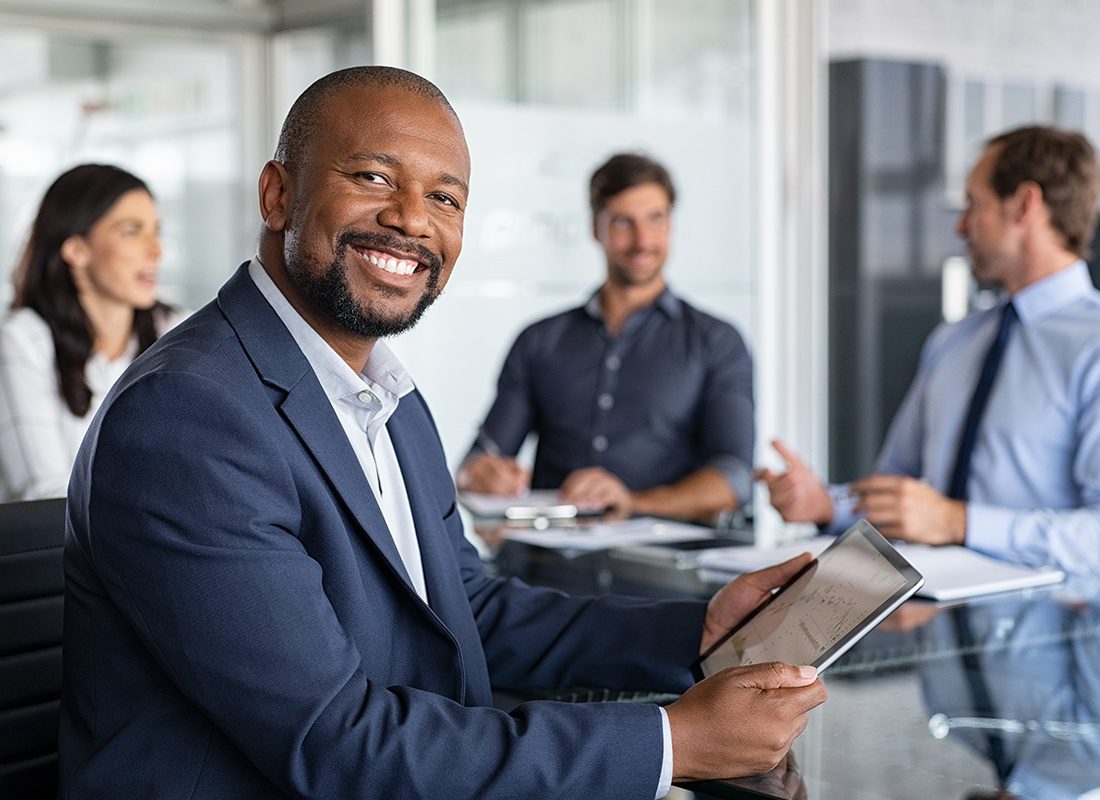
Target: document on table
x=605 y=535
x=529 y=505
x=950 y=572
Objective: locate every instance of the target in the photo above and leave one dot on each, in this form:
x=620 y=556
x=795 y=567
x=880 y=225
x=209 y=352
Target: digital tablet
x=824 y=609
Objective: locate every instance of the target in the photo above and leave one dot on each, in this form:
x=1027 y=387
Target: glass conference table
x=996 y=697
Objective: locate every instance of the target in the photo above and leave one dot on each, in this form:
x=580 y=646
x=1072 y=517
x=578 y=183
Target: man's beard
x=328 y=289
x=620 y=275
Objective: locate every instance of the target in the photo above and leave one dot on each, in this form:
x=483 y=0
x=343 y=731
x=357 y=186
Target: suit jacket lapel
x=435 y=553
x=409 y=429
x=280 y=363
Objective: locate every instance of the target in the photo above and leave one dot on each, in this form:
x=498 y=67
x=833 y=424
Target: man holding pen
x=997 y=443
x=641 y=402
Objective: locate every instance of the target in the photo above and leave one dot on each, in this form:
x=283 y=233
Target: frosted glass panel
x=165 y=109
x=546 y=91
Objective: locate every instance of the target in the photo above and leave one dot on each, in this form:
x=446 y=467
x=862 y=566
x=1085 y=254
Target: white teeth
x=393 y=265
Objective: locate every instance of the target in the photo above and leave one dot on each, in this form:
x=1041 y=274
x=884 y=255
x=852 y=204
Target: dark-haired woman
x=85 y=306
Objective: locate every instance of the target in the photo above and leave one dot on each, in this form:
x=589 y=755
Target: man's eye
x=446 y=199
x=372 y=177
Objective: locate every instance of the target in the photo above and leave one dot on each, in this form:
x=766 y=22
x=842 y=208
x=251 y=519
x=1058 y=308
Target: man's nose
x=961 y=224
x=407 y=212
x=646 y=237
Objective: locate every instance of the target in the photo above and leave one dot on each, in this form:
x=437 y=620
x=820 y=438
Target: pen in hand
x=487 y=443
x=493 y=472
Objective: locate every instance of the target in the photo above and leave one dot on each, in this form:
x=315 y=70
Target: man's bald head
x=305 y=118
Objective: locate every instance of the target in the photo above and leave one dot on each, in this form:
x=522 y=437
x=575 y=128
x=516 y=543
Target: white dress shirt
x=39 y=435
x=363 y=402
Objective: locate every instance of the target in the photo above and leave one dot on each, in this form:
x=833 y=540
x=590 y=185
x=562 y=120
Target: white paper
x=532 y=503
x=605 y=535
x=950 y=572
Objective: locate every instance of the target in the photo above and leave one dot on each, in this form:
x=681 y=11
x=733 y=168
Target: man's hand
x=490 y=474
x=741 y=721
x=905 y=508
x=797 y=494
x=740 y=596
x=596 y=487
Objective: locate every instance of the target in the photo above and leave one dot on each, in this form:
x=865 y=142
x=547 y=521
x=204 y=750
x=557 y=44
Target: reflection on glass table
x=1023 y=691
x=873 y=740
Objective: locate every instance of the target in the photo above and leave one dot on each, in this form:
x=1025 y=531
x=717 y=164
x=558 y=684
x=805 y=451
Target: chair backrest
x=32 y=537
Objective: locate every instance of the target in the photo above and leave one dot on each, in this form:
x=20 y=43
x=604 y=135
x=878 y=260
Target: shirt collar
x=666 y=301
x=1051 y=293
x=337 y=379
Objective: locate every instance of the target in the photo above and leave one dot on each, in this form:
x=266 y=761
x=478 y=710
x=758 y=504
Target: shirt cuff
x=843 y=503
x=666 y=766
x=987 y=530
x=738 y=475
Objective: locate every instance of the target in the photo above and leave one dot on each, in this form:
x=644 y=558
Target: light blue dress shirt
x=1034 y=490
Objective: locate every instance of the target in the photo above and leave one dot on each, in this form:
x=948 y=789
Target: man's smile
x=389 y=262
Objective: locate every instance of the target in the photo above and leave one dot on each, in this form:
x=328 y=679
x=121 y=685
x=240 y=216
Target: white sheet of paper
x=950 y=572
x=605 y=535
x=493 y=505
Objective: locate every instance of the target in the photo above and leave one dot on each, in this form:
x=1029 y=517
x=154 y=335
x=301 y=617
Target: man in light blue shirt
x=1028 y=489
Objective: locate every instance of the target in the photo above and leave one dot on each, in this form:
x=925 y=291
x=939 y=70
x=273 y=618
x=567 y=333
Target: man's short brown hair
x=625 y=171
x=1063 y=164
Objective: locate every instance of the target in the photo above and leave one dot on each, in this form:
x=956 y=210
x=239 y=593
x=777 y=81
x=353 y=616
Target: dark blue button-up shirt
x=672 y=393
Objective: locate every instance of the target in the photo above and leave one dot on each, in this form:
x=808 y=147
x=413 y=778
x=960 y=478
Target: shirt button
x=366 y=397
x=605 y=401
x=599 y=443
x=613 y=363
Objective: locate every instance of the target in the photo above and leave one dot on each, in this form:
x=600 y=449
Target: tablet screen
x=824 y=609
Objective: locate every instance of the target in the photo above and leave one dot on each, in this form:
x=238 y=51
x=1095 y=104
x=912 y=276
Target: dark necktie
x=978 y=401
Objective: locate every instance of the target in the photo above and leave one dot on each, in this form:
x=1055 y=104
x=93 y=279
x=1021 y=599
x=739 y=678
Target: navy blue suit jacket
x=238 y=622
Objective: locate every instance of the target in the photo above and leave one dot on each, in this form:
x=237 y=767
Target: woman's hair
x=44 y=281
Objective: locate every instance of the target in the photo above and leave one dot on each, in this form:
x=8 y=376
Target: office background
x=749 y=102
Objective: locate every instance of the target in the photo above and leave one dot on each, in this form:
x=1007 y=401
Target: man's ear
x=274 y=195
x=1027 y=200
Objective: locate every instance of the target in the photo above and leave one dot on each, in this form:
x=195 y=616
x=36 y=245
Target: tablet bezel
x=913 y=580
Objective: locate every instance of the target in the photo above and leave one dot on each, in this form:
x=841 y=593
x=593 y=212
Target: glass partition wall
x=191 y=99
x=164 y=105
x=547 y=90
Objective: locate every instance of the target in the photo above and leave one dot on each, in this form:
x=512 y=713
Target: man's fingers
x=789 y=455
x=507 y=474
x=774 y=675
x=772 y=577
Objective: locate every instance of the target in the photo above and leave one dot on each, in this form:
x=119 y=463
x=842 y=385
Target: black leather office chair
x=32 y=535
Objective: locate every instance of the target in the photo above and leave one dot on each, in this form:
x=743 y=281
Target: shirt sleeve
x=665 y=783
x=512 y=415
x=843 y=515
x=726 y=427
x=902 y=449
x=1066 y=538
x=35 y=458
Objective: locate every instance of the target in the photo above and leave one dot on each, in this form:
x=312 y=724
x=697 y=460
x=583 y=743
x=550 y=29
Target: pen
x=486 y=442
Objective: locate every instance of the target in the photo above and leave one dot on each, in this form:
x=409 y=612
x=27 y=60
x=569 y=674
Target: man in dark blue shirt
x=641 y=402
